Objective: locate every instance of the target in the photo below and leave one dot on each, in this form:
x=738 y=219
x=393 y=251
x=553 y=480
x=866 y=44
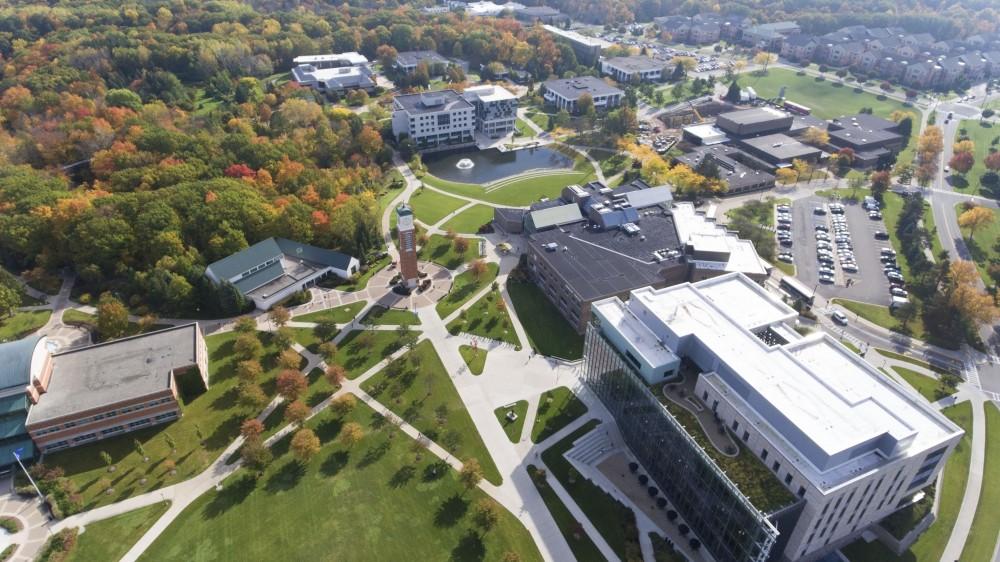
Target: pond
x=485 y=166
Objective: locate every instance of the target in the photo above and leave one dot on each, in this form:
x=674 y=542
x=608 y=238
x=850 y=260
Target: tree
x=786 y=175
x=256 y=456
x=108 y=461
x=289 y=359
x=678 y=74
x=249 y=371
x=291 y=384
x=169 y=439
x=559 y=120
x=802 y=168
x=585 y=104
x=251 y=396
x=905 y=313
x=992 y=161
x=279 y=315
x=478 y=268
x=486 y=514
x=962 y=162
x=305 y=445
x=343 y=404
x=251 y=429
x=471 y=473
x=764 y=58
x=245 y=325
x=328 y=350
x=139 y=449
x=972 y=305
x=733 y=93
x=461 y=245
x=335 y=375
x=880 y=184
x=975 y=218
x=247 y=347
x=10 y=299
x=351 y=434
x=297 y=412
x=964 y=145
x=816 y=136
x=112 y=317
x=283 y=338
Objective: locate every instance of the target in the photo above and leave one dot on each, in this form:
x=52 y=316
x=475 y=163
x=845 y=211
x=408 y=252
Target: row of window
x=85 y=437
x=259 y=267
x=105 y=415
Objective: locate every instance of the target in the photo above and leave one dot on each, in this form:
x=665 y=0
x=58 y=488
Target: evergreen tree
x=733 y=94
x=678 y=74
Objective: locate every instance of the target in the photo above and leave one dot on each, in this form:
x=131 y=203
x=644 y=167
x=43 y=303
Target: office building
x=587 y=49
x=432 y=120
x=543 y=14
x=779 y=150
x=333 y=60
x=407 y=62
x=565 y=93
x=104 y=390
x=848 y=445
x=273 y=269
x=335 y=79
x=26 y=368
x=496 y=110
x=754 y=122
x=627 y=70
x=875 y=141
x=738 y=171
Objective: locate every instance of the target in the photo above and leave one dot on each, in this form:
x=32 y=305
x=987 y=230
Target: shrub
x=10 y=524
x=633 y=467
x=695 y=544
x=683 y=529
x=59 y=546
x=671 y=515
x=643 y=479
x=661 y=503
x=652 y=491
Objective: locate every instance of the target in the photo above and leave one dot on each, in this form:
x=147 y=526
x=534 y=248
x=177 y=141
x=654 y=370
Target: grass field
x=474 y=358
x=485 y=318
x=21 y=324
x=463 y=286
x=111 y=538
x=930 y=545
x=584 y=549
x=215 y=414
x=522 y=127
x=982 y=134
x=392 y=316
x=361 y=350
x=431 y=206
x=519 y=191
x=382 y=499
x=512 y=428
x=983 y=244
x=825 y=99
x=929 y=388
x=424 y=396
x=339 y=315
x=351 y=285
x=557 y=408
x=548 y=332
x=982 y=539
x=469 y=220
x=440 y=250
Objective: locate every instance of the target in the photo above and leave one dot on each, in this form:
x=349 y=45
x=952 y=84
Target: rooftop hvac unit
x=605 y=190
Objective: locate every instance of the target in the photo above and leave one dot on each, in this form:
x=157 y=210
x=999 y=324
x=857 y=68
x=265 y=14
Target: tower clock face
x=405 y=222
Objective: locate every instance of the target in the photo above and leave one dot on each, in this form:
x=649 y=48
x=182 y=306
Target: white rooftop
x=616 y=314
x=489 y=93
x=832 y=413
x=707 y=133
x=707 y=236
x=308 y=74
x=350 y=57
x=574 y=36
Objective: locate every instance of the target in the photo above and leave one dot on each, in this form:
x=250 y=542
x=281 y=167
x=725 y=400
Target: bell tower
x=407 y=245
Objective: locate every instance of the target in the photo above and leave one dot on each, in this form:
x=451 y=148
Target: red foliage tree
x=291 y=384
x=992 y=161
x=962 y=162
x=240 y=171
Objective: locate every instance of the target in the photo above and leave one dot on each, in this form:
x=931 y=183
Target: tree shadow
x=470 y=547
x=435 y=471
x=334 y=463
x=373 y=454
x=329 y=429
x=231 y=495
x=451 y=511
x=286 y=478
x=402 y=476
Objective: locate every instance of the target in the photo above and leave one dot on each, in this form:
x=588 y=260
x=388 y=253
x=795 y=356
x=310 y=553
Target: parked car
x=881 y=235
x=819 y=211
x=897 y=292
x=827 y=279
x=786 y=257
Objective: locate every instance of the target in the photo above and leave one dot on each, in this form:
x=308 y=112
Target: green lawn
x=523 y=191
x=982 y=134
x=360 y=350
x=21 y=324
x=930 y=545
x=912 y=361
x=584 y=549
x=431 y=206
x=474 y=358
x=111 y=538
x=548 y=332
x=522 y=127
x=983 y=245
x=786 y=268
x=512 y=428
x=664 y=552
x=307 y=338
x=486 y=319
x=469 y=220
x=340 y=315
x=382 y=499
x=463 y=286
x=215 y=413
x=880 y=315
x=393 y=184
x=614 y=521
x=351 y=285
x=423 y=395
x=557 y=408
x=440 y=250
x=540 y=119
x=986 y=525
x=929 y=388
x=391 y=316
x=319 y=388
x=825 y=99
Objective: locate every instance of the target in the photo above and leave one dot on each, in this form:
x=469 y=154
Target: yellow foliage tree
x=816 y=136
x=972 y=304
x=786 y=176
x=964 y=146
x=975 y=218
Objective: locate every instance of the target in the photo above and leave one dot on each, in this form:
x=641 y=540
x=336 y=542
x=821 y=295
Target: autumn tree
x=471 y=473
x=297 y=412
x=283 y=338
x=251 y=396
x=249 y=371
x=786 y=175
x=256 y=456
x=964 y=145
x=478 y=268
x=992 y=161
x=975 y=218
x=247 y=347
x=245 y=325
x=343 y=404
x=802 y=168
x=880 y=184
x=305 y=445
x=251 y=429
x=486 y=513
x=351 y=434
x=461 y=245
x=279 y=315
x=962 y=162
x=973 y=305
x=291 y=384
x=764 y=59
x=289 y=359
x=112 y=317
x=335 y=375
x=816 y=136
x=328 y=350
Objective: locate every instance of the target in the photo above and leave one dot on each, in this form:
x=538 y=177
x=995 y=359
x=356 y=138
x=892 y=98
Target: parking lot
x=869 y=283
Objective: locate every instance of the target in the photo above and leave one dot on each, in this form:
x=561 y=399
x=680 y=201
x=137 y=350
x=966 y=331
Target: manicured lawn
x=339 y=315
x=111 y=538
x=520 y=191
x=929 y=388
x=485 y=318
x=548 y=332
x=214 y=413
x=880 y=316
x=982 y=245
x=469 y=220
x=986 y=525
x=381 y=499
x=851 y=346
x=663 y=552
x=758 y=212
x=930 y=545
x=351 y=285
x=825 y=99
x=557 y=408
x=463 y=287
x=307 y=338
x=440 y=250
x=89 y=321
x=21 y=324
x=786 y=268
x=614 y=521
x=512 y=428
x=431 y=206
x=391 y=316
x=522 y=127
x=474 y=358
x=903 y=521
x=584 y=549
x=912 y=360
x=360 y=350
x=982 y=135
x=422 y=394
x=540 y=119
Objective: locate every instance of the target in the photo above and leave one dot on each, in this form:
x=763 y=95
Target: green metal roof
x=272 y=248
x=17 y=403
x=7 y=451
x=15 y=362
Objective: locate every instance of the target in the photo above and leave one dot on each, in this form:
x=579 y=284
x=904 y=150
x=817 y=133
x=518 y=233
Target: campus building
x=779 y=150
x=875 y=141
x=848 y=445
x=408 y=269
x=593 y=243
x=26 y=368
x=437 y=64
x=104 y=390
x=754 y=122
x=565 y=93
x=738 y=171
x=627 y=70
x=271 y=270
x=587 y=49
x=496 y=110
x=438 y=119
x=335 y=79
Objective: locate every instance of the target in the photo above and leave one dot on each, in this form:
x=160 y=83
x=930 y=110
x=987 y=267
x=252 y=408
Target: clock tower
x=407 y=245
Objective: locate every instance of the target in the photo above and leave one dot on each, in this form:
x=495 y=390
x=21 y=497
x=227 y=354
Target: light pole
x=17 y=456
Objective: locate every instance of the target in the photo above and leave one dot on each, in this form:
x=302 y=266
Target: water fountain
x=465 y=164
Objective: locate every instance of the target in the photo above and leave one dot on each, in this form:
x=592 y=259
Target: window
x=746 y=436
x=788 y=478
x=763 y=455
x=736 y=425
x=776 y=466
x=802 y=491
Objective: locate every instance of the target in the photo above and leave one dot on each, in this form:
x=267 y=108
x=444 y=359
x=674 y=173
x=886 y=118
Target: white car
x=839 y=317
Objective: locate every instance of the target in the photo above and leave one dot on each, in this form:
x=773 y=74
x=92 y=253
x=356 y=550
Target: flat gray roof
x=431 y=102
x=637 y=63
x=573 y=88
x=100 y=375
x=754 y=115
x=411 y=58
x=781 y=147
